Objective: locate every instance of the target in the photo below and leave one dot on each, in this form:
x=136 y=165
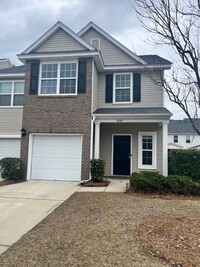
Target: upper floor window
x=147 y=150
x=59 y=78
x=11 y=93
x=123 y=88
x=188 y=139
x=175 y=138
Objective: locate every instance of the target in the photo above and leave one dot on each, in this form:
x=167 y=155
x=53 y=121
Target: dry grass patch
x=95 y=230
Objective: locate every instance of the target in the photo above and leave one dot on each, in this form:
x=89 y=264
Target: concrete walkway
x=24 y=205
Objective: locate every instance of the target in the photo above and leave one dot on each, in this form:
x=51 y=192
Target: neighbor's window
x=147 y=150
x=175 y=138
x=188 y=139
x=11 y=93
x=59 y=79
x=123 y=88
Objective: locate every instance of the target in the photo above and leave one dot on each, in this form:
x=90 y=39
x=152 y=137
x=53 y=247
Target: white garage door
x=56 y=157
x=9 y=147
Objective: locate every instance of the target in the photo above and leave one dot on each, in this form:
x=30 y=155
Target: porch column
x=165 y=148
x=97 y=140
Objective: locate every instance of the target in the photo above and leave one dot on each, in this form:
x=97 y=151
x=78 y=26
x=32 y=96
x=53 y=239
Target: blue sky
x=22 y=22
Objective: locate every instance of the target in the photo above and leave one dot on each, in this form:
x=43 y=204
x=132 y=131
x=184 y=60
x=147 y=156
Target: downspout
x=91 y=148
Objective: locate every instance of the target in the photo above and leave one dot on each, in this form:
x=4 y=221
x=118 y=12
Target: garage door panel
x=56 y=157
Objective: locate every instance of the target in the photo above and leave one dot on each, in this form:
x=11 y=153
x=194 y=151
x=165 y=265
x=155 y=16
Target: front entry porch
x=131 y=147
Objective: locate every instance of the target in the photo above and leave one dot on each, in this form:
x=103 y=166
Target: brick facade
x=58 y=114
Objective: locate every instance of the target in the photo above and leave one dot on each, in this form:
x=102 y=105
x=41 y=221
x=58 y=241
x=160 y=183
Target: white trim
x=96 y=39
x=58 y=78
x=131 y=87
x=97 y=140
x=95 y=53
x=10 y=75
x=10 y=136
x=154 y=151
x=133 y=67
x=131 y=152
x=165 y=149
x=111 y=39
x=31 y=143
x=51 y=31
x=57 y=55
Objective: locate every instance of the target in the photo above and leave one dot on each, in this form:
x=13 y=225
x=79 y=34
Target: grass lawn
x=101 y=229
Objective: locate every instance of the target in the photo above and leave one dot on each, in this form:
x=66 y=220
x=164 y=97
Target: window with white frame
x=187 y=139
x=123 y=87
x=11 y=93
x=59 y=78
x=175 y=138
x=147 y=150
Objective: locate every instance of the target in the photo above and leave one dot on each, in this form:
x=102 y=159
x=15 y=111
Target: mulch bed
x=175 y=239
x=91 y=183
x=110 y=229
x=6 y=182
x=163 y=196
x=9 y=182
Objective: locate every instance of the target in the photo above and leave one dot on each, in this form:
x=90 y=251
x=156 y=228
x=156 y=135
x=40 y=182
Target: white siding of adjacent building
x=194 y=140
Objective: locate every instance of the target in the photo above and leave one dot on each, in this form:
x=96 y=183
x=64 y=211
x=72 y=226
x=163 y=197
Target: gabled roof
x=155 y=60
x=51 y=31
x=111 y=39
x=182 y=126
x=13 y=70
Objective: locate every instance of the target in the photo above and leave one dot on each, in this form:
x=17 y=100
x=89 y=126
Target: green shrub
x=185 y=163
x=147 y=181
x=97 y=168
x=156 y=183
x=10 y=168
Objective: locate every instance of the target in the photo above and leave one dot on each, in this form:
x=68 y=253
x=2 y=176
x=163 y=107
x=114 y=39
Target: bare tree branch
x=177 y=24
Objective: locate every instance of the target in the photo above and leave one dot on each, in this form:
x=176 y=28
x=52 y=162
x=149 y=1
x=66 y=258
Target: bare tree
x=176 y=23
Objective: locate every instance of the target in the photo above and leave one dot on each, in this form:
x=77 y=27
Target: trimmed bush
x=97 y=168
x=185 y=163
x=10 y=168
x=153 y=182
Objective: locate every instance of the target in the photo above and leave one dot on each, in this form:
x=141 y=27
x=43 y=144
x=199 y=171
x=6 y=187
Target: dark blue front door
x=121 y=154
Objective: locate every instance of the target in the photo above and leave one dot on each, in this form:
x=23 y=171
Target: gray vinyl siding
x=60 y=41
x=10 y=121
x=4 y=65
x=111 y=54
x=151 y=94
x=95 y=88
x=106 y=132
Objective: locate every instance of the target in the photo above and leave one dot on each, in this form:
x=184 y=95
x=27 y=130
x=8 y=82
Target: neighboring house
x=87 y=96
x=5 y=63
x=181 y=134
x=11 y=108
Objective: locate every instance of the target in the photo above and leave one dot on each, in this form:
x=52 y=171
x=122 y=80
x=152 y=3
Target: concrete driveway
x=24 y=205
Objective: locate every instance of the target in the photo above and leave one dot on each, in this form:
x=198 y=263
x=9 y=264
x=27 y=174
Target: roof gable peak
x=51 y=31
x=91 y=24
